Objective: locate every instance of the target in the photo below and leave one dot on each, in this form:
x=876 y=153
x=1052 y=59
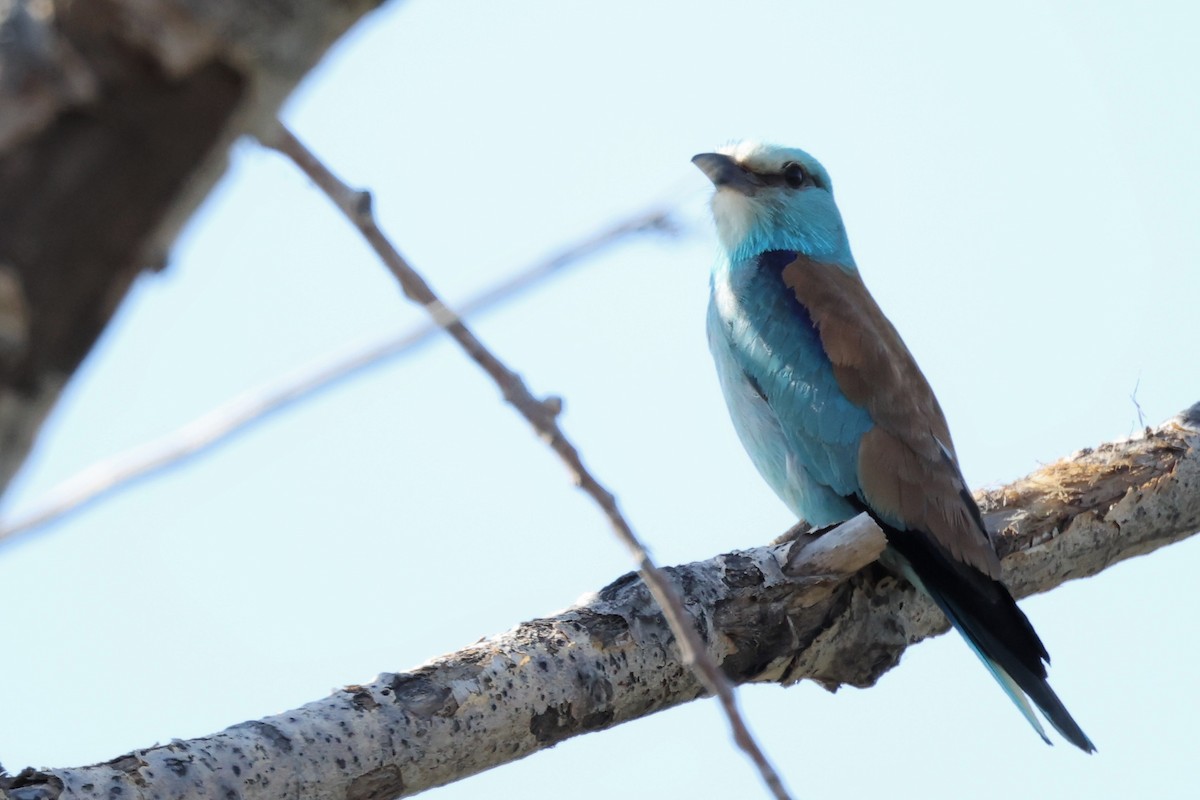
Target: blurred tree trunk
x=115 y=120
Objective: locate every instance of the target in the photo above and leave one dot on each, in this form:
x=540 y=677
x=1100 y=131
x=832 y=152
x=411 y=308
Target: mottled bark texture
x=807 y=607
x=115 y=120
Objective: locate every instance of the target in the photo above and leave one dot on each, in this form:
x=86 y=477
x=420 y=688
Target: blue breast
x=798 y=427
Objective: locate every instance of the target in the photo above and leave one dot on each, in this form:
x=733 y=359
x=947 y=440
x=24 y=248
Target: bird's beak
x=725 y=173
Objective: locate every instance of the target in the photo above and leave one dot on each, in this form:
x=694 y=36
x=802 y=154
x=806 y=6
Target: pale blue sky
x=1019 y=185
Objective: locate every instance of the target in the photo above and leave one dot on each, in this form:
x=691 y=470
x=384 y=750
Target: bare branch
x=812 y=608
x=542 y=415
x=218 y=426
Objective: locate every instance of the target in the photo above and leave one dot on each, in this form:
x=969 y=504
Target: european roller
x=835 y=413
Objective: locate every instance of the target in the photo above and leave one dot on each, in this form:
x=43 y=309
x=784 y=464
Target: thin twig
x=219 y=425
x=542 y=415
x=1138 y=406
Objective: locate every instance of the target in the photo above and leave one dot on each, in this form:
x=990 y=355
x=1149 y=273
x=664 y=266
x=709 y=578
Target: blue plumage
x=773 y=369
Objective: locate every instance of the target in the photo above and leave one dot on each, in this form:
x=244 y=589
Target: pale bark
x=814 y=608
x=115 y=120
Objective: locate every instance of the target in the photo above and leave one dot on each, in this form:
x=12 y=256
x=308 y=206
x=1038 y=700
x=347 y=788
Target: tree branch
x=814 y=608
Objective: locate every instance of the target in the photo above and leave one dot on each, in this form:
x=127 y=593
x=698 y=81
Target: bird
x=836 y=415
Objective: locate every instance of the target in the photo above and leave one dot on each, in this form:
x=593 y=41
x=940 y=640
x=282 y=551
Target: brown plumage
x=907 y=468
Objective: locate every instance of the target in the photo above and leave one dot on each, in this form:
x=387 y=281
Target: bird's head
x=774 y=198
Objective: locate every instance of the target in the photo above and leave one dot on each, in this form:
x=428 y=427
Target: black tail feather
x=984 y=612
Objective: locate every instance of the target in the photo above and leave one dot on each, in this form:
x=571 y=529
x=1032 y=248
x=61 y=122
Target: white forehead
x=765 y=158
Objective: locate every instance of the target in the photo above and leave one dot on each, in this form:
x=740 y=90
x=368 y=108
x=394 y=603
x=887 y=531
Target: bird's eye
x=793 y=173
